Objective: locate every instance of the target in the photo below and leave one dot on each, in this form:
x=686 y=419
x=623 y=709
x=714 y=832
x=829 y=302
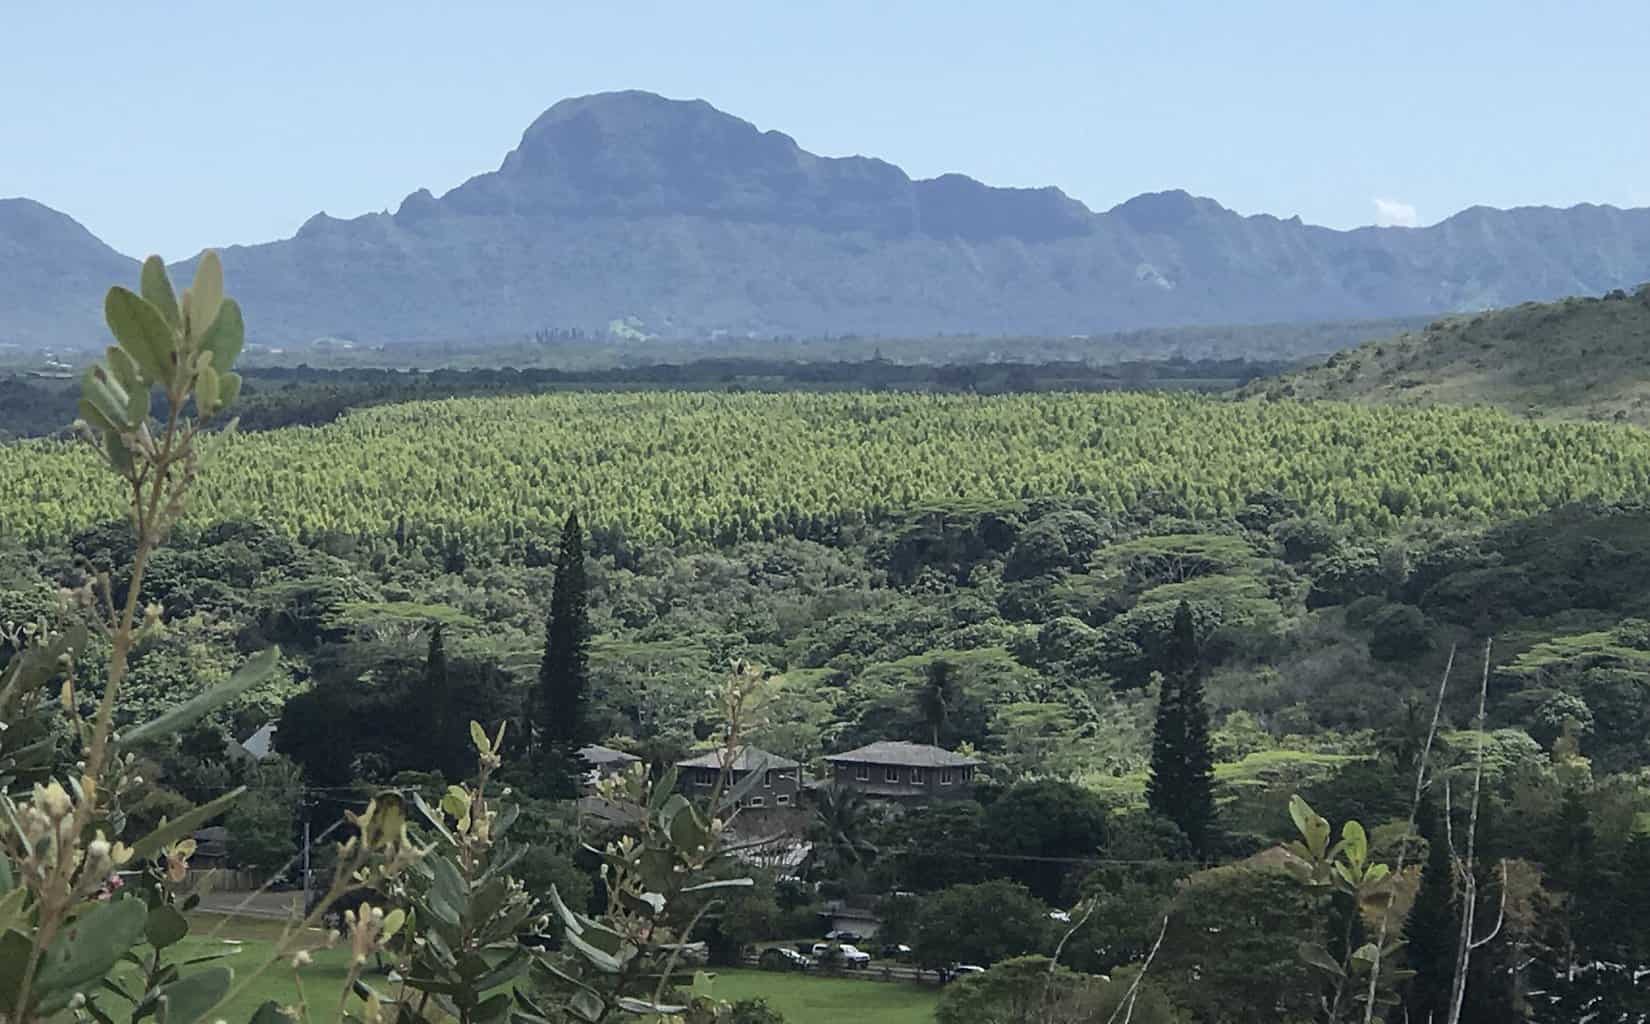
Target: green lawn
x=803 y=1000
x=811 y=1000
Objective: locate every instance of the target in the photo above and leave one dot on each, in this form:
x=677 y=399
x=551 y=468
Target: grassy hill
x=1580 y=358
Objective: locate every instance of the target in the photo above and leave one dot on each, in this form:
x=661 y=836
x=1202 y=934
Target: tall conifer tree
x=563 y=674
x=1181 y=784
x=434 y=709
x=1433 y=927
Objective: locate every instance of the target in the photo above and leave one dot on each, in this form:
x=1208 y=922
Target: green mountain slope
x=1581 y=358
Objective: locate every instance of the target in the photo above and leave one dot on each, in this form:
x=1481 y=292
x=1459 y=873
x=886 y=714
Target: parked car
x=848 y=953
x=843 y=936
x=956 y=971
x=778 y=958
x=896 y=951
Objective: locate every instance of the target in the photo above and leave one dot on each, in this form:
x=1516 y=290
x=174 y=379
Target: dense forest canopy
x=500 y=474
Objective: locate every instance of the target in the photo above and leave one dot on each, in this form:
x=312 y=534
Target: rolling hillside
x=1580 y=358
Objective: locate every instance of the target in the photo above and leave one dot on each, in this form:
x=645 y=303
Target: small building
x=781 y=777
x=908 y=772
x=841 y=916
x=605 y=762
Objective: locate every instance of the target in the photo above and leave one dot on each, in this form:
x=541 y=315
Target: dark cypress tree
x=937 y=697
x=1433 y=927
x=1181 y=784
x=563 y=672
x=433 y=710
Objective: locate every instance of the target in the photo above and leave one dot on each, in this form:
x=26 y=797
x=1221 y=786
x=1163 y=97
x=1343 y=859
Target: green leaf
x=187 y=1000
x=157 y=290
x=493 y=1008
x=257 y=669
x=165 y=926
x=434 y=818
x=206 y=391
x=91 y=415
x=688 y=832
x=1313 y=828
x=107 y=396
x=14 y=957
x=505 y=971
x=646 y=1007
x=142 y=332
x=125 y=369
x=725 y=883
x=229 y=389
x=447 y=891
x=587 y=1005
x=184 y=825
x=478 y=736
x=1318 y=957
x=85 y=950
x=1354 y=842
x=225 y=336
x=663 y=789
x=600 y=959
x=203 y=299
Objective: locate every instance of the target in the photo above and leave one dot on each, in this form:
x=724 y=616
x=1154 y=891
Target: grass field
x=803 y=1000
x=807 y=1000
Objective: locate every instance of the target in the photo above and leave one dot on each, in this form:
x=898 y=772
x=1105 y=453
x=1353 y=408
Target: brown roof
x=749 y=759
x=906 y=755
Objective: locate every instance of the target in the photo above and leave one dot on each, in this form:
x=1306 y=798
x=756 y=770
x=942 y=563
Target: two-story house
x=907 y=772
x=781 y=777
x=603 y=762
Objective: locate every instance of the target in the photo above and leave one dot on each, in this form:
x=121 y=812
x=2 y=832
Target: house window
x=862 y=773
x=968 y=774
x=756 y=801
x=706 y=777
x=918 y=777
x=767 y=779
x=891 y=774
x=945 y=776
x=782 y=799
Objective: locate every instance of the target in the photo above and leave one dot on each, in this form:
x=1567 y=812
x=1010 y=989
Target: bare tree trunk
x=1465 y=944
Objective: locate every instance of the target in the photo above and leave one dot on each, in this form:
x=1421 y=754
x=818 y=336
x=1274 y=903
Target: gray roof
x=906 y=755
x=597 y=754
x=261 y=743
x=749 y=759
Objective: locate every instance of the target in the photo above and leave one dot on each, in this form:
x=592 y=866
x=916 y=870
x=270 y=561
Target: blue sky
x=168 y=127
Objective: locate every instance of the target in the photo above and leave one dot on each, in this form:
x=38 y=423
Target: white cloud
x=1394 y=213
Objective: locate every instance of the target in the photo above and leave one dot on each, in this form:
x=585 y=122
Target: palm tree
x=842 y=820
x=936 y=696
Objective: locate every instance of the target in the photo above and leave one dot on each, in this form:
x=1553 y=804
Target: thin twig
x=1403 y=848
x=1134 y=988
x=1469 y=879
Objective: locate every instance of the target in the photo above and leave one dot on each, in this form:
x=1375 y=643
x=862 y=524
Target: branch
x=1134 y=989
x=1500 y=913
x=1469 y=886
x=1403 y=848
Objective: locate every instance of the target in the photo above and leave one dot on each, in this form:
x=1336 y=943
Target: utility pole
x=306 y=853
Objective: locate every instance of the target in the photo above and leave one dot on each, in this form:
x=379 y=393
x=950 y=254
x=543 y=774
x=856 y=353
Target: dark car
x=896 y=951
x=843 y=936
x=778 y=958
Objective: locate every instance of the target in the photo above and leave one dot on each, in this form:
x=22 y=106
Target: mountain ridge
x=693 y=222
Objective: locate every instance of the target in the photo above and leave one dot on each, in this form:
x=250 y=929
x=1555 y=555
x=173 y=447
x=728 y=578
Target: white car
x=851 y=955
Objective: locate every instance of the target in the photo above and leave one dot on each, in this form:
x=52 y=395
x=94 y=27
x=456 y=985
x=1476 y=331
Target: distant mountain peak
x=688 y=221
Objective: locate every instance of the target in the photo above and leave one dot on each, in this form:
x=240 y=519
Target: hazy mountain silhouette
x=693 y=221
